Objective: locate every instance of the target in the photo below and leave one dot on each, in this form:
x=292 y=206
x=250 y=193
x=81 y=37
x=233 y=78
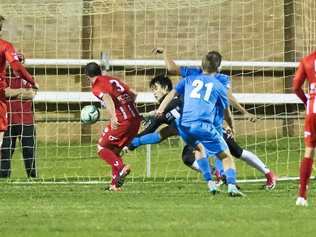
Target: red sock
x=305 y=173
x=113 y=160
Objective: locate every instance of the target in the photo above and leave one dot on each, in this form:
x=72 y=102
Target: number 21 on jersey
x=198 y=88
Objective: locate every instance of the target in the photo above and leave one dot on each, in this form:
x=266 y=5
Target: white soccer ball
x=89 y=114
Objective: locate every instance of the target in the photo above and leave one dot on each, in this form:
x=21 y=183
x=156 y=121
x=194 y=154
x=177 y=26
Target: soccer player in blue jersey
x=245 y=155
x=204 y=97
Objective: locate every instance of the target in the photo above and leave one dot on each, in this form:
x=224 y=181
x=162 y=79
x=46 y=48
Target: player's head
x=161 y=85
x=92 y=70
x=211 y=61
x=2 y=19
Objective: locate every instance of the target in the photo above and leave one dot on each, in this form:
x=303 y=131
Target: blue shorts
x=204 y=133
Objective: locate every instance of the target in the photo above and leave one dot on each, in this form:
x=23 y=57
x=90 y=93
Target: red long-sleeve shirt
x=306 y=70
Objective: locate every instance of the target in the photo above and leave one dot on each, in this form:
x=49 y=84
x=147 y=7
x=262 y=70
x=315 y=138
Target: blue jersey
x=190 y=71
x=203 y=96
x=224 y=79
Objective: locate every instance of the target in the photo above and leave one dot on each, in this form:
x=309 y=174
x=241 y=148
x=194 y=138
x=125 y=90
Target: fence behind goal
x=261 y=41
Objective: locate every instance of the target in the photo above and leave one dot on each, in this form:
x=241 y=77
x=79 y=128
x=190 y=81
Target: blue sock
x=205 y=169
x=230 y=176
x=150 y=138
x=219 y=166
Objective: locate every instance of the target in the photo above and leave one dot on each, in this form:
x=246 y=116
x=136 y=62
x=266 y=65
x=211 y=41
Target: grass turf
x=152 y=209
x=178 y=206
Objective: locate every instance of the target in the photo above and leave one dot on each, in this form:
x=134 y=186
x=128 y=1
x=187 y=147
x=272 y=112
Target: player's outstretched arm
x=165 y=102
x=172 y=67
x=233 y=101
x=229 y=120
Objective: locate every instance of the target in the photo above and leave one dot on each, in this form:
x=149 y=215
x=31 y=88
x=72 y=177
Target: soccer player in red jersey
x=307 y=70
x=125 y=120
x=8 y=54
x=20 y=125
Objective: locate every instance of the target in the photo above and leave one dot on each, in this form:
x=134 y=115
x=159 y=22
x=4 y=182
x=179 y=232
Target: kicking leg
x=252 y=160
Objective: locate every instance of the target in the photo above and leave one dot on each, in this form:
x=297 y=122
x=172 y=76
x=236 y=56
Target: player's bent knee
x=234 y=148
x=224 y=154
x=188 y=155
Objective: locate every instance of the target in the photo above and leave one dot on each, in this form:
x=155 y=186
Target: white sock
x=254 y=161
x=195 y=166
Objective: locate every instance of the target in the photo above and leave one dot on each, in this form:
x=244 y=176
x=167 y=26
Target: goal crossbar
x=157 y=63
x=148 y=97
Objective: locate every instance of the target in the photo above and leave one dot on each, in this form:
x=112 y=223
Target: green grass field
x=152 y=209
x=173 y=202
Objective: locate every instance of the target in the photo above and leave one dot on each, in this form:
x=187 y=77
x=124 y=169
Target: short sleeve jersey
x=224 y=79
x=121 y=95
x=203 y=95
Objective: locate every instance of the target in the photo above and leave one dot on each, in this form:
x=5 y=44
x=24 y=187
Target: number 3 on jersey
x=117 y=85
x=198 y=86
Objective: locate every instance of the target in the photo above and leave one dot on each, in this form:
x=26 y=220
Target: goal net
x=260 y=41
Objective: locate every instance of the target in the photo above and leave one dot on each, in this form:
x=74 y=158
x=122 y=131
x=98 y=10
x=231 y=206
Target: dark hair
x=93 y=69
x=163 y=80
x=211 y=61
x=1 y=20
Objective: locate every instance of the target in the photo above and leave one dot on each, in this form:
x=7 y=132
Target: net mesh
x=247 y=30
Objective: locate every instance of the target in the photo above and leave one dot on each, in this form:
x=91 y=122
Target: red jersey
x=19 y=111
x=123 y=98
x=8 y=53
x=306 y=70
x=3 y=106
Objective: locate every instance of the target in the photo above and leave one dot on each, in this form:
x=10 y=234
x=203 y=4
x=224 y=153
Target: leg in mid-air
x=152 y=138
x=252 y=160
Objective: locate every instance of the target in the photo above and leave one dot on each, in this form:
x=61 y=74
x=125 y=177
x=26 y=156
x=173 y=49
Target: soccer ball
x=89 y=114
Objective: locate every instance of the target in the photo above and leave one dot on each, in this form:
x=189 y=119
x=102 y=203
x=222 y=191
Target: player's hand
x=230 y=132
x=158 y=114
x=124 y=151
x=35 y=86
x=114 y=123
x=251 y=117
x=30 y=93
x=157 y=51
